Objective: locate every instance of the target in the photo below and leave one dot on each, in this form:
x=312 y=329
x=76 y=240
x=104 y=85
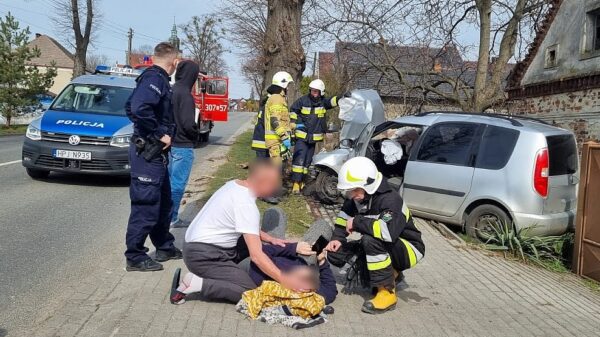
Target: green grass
x=13 y=130
x=240 y=153
x=593 y=285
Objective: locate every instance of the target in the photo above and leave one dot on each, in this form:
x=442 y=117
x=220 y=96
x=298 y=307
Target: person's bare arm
x=265 y=264
x=266 y=237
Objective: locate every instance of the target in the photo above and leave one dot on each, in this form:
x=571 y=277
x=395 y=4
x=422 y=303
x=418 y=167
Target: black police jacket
x=384 y=208
x=149 y=106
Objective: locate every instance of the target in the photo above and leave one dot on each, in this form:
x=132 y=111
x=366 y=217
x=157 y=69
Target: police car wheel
x=37 y=174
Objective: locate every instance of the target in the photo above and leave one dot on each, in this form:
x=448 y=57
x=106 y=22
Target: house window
x=596 y=21
x=551 y=56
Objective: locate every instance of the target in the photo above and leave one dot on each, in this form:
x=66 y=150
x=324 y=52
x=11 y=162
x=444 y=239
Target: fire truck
x=211 y=95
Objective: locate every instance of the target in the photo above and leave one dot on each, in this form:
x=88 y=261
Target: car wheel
x=326 y=187
x=37 y=174
x=482 y=219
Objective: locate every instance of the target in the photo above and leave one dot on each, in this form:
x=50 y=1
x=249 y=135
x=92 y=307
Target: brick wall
x=578 y=111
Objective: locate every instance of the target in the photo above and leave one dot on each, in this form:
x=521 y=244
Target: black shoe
x=176 y=297
x=146 y=265
x=166 y=255
x=271 y=200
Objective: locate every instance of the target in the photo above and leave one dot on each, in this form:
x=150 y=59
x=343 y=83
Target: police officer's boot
x=384 y=300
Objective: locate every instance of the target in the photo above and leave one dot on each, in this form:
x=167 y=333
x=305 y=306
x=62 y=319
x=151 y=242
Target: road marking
x=10 y=162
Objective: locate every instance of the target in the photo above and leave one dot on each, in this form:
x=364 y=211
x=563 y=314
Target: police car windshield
x=96 y=99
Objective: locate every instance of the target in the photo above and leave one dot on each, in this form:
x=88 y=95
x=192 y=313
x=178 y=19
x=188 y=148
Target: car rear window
x=562 y=152
x=496 y=147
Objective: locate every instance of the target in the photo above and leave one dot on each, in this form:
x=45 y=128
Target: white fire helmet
x=282 y=79
x=359 y=172
x=318 y=85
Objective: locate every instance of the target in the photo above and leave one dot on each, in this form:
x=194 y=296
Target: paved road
x=54 y=232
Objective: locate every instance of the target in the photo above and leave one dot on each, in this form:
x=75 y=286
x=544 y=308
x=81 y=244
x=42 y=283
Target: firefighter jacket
x=311 y=113
x=277 y=120
x=258 y=137
x=383 y=216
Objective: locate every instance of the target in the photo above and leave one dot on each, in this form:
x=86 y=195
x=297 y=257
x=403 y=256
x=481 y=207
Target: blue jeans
x=180 y=167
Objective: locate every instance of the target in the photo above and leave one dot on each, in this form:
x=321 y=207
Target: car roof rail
x=511 y=118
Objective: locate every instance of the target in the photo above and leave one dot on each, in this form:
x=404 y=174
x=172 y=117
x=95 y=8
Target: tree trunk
x=80 y=63
x=484 y=7
x=282 y=49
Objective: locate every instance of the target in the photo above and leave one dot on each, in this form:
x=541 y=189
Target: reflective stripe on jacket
x=312 y=114
x=276 y=119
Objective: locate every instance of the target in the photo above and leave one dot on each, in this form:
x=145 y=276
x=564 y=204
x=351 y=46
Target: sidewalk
x=453 y=292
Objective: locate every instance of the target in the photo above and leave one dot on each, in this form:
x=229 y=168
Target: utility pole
x=314 y=65
x=130 y=40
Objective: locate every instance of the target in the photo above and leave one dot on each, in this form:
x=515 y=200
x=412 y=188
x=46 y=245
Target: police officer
x=150 y=110
x=390 y=242
x=277 y=118
x=308 y=113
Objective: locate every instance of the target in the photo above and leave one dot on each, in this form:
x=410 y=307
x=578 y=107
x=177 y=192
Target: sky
x=151 y=20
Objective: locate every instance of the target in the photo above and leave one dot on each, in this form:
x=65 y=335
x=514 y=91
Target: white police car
x=85 y=129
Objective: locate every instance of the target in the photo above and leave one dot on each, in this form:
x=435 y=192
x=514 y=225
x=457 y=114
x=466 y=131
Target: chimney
x=437 y=66
x=38 y=35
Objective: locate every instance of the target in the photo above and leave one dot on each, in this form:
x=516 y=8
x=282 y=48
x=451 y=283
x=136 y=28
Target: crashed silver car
x=466 y=169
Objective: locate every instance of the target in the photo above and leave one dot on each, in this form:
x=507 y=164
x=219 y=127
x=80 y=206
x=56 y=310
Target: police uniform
x=149 y=108
x=310 y=113
x=277 y=126
x=258 y=136
x=389 y=240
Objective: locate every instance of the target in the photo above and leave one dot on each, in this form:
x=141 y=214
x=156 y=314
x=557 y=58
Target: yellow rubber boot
x=384 y=300
x=296 y=188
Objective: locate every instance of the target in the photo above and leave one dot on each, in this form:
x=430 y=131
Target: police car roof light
x=123 y=71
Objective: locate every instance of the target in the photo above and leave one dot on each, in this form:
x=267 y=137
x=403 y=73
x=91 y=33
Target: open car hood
x=364 y=107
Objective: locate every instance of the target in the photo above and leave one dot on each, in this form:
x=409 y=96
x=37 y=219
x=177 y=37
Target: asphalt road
x=53 y=232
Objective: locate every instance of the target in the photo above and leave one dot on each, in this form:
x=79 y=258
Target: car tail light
x=540 y=172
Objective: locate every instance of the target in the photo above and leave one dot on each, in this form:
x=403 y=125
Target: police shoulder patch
x=155 y=88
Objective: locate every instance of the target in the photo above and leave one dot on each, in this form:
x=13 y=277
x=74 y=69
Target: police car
x=85 y=129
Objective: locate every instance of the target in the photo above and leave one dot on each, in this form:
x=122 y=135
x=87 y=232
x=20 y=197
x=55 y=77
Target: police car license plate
x=67 y=154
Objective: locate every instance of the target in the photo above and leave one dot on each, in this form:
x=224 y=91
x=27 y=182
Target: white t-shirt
x=228 y=214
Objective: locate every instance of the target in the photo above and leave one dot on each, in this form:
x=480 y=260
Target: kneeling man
x=390 y=240
x=226 y=231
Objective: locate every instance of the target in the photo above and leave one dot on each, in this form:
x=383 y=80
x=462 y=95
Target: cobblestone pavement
x=454 y=291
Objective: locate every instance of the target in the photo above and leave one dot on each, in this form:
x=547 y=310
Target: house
x=559 y=79
x=53 y=54
x=370 y=66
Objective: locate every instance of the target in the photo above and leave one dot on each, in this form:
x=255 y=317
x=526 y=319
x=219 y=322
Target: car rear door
x=439 y=173
x=562 y=175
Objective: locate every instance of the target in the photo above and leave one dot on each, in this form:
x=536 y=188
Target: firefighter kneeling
x=390 y=241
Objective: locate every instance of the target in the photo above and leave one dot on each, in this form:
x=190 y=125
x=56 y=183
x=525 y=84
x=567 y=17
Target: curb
x=446 y=232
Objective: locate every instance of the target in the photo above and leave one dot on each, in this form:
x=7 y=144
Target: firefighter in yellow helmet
x=278 y=128
x=390 y=242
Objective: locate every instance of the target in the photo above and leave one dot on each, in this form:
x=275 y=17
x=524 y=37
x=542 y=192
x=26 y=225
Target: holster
x=149 y=148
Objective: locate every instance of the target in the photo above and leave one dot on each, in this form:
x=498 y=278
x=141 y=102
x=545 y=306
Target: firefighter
x=308 y=114
x=258 y=136
x=390 y=242
x=277 y=118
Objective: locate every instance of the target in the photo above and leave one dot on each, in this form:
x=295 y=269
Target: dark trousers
x=303 y=155
x=262 y=153
x=223 y=278
x=150 y=193
x=382 y=258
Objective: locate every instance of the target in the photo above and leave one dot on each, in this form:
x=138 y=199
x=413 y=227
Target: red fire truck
x=211 y=95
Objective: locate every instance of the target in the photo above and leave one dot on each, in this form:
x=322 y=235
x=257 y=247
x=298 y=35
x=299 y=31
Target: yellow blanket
x=271 y=294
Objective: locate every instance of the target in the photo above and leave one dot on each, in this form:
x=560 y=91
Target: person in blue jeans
x=182 y=151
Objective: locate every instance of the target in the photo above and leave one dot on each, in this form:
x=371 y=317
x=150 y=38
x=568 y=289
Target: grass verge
x=299 y=217
x=13 y=130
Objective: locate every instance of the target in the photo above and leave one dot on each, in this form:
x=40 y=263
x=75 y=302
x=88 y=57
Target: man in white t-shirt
x=226 y=231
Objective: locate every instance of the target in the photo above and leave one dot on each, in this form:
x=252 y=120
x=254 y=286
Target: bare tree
x=203 y=38
x=76 y=19
x=94 y=60
x=144 y=49
x=416 y=45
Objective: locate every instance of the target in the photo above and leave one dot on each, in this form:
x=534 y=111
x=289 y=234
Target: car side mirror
x=346 y=143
